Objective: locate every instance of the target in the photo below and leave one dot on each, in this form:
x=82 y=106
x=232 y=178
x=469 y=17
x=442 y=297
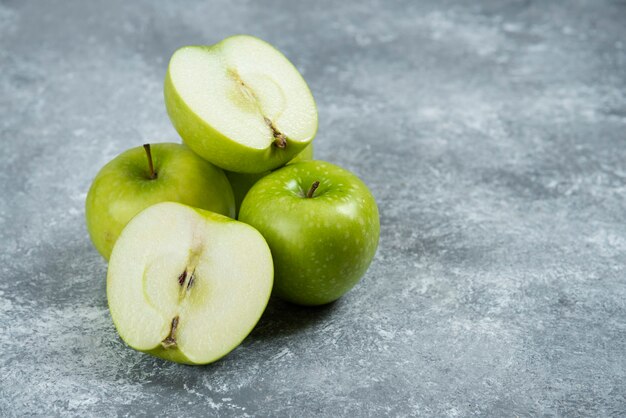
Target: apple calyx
x=170 y=340
x=312 y=190
x=153 y=174
x=280 y=140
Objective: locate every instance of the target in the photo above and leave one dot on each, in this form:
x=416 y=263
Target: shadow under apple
x=283 y=318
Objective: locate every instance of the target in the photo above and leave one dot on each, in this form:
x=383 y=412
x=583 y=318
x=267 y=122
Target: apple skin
x=217 y=148
x=305 y=155
x=242 y=182
x=123 y=188
x=321 y=245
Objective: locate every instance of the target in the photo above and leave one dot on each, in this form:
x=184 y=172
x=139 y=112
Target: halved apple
x=187 y=285
x=240 y=104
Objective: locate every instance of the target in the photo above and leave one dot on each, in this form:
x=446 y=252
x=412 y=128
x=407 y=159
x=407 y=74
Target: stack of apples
x=198 y=235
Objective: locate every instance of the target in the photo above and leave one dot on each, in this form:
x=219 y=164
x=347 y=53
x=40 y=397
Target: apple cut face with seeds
x=187 y=285
x=240 y=104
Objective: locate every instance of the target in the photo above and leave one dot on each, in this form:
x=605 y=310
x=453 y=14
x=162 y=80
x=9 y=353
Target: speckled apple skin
x=322 y=245
x=242 y=182
x=123 y=188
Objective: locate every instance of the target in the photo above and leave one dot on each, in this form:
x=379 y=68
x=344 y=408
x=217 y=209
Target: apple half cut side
x=240 y=104
x=187 y=285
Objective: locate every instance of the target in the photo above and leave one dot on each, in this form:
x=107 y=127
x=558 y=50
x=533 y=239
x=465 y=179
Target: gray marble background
x=492 y=133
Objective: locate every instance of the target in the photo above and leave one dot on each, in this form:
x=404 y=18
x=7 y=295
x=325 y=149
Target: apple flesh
x=242 y=182
x=132 y=181
x=321 y=223
x=240 y=104
x=187 y=285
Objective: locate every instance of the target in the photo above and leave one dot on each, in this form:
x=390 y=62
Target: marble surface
x=492 y=134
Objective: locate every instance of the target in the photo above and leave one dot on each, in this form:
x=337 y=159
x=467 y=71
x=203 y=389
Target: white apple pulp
x=240 y=99
x=247 y=90
x=186 y=284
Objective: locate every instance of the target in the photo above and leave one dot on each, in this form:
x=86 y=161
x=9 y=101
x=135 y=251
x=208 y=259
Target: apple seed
x=182 y=277
x=191 y=280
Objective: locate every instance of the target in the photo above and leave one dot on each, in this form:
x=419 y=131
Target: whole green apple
x=143 y=176
x=242 y=182
x=321 y=223
x=240 y=104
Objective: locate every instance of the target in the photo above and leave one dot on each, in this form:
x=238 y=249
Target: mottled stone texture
x=493 y=135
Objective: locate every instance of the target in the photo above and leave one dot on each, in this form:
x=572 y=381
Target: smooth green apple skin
x=123 y=188
x=242 y=182
x=322 y=245
x=174 y=354
x=211 y=145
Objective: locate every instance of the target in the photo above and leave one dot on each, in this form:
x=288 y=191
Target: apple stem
x=153 y=173
x=313 y=188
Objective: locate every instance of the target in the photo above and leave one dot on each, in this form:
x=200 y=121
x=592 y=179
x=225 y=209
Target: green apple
x=187 y=285
x=321 y=223
x=140 y=177
x=242 y=182
x=240 y=104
